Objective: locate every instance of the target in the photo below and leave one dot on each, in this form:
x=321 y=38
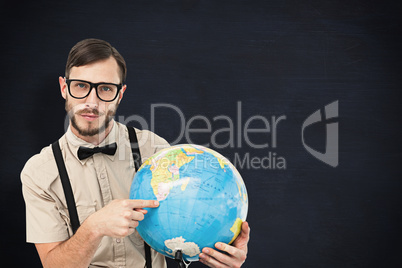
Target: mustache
x=89 y=111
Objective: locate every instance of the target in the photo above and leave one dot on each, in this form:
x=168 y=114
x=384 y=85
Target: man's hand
x=120 y=217
x=234 y=255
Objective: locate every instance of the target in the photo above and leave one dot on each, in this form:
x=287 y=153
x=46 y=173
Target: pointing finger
x=144 y=203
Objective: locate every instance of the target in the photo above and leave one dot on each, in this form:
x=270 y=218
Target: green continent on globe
x=165 y=173
x=236 y=229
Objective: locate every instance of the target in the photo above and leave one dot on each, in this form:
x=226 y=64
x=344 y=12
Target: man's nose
x=92 y=98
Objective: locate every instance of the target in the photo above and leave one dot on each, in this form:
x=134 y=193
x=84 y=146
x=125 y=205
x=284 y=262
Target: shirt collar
x=75 y=142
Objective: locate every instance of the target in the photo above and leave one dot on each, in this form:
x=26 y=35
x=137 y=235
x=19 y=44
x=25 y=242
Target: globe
x=202 y=200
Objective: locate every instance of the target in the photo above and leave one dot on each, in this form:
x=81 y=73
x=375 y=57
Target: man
x=93 y=88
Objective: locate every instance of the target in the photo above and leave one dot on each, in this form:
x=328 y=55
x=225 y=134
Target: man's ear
x=121 y=93
x=63 y=86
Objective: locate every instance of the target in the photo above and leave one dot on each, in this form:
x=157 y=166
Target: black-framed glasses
x=80 y=89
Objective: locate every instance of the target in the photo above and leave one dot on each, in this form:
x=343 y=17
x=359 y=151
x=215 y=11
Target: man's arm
x=118 y=219
x=77 y=251
x=236 y=253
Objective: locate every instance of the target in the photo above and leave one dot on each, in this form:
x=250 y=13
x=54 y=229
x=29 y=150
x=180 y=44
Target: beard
x=92 y=128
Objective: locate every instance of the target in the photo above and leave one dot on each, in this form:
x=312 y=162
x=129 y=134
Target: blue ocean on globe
x=202 y=197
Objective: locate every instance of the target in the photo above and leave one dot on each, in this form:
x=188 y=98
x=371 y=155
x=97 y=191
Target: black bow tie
x=85 y=152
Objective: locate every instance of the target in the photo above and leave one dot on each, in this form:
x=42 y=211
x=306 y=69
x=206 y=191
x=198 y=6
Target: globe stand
x=178 y=256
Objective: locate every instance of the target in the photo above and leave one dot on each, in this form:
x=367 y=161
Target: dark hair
x=91 y=50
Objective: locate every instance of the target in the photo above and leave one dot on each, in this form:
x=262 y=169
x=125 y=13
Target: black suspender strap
x=65 y=181
x=148 y=260
x=135 y=149
x=68 y=192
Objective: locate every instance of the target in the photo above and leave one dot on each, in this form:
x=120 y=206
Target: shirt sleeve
x=150 y=143
x=44 y=219
x=160 y=143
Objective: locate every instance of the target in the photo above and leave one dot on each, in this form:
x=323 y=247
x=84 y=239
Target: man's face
x=91 y=116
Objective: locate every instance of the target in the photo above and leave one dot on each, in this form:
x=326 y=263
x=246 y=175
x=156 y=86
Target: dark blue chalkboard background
x=208 y=58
